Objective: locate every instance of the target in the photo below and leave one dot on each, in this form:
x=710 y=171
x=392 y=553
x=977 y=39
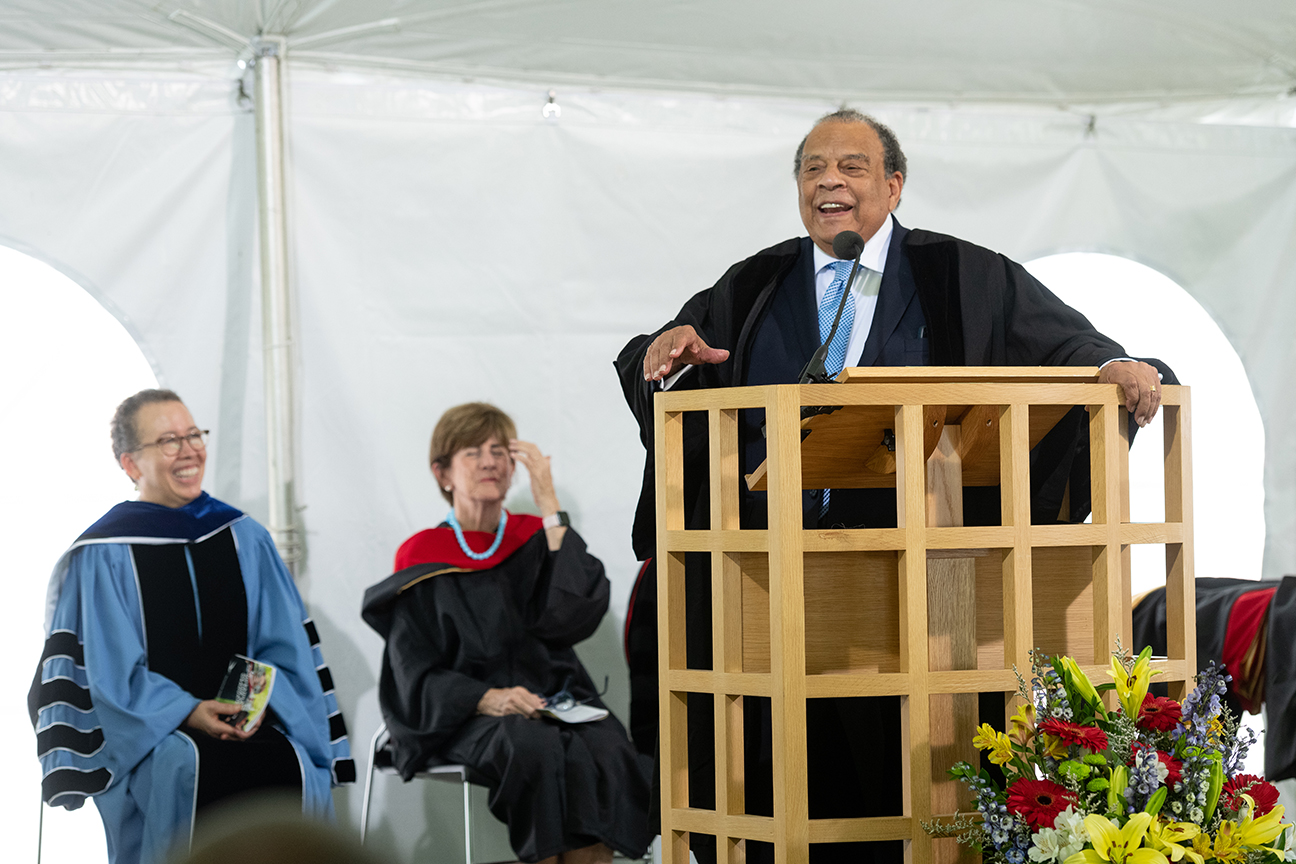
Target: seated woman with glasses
x=145 y=613
x=480 y=619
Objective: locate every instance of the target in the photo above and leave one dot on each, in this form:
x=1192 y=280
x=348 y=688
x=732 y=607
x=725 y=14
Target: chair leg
x=368 y=793
x=467 y=796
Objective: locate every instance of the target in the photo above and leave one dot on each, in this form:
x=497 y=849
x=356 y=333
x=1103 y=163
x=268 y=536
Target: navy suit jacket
x=786 y=337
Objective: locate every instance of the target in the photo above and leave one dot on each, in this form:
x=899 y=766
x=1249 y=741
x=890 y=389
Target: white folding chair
x=380 y=760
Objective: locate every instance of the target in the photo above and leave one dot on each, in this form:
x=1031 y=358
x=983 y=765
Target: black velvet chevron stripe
x=344 y=771
x=312 y=635
x=337 y=726
x=63 y=690
x=61 y=736
x=62 y=781
x=63 y=644
x=326 y=679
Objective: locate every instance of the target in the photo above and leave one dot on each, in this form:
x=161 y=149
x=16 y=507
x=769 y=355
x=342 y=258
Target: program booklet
x=572 y=713
x=247 y=684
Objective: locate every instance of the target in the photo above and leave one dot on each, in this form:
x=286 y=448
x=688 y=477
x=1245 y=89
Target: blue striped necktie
x=836 y=357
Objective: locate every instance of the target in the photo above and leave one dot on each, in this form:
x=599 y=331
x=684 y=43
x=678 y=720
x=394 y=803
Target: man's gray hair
x=125 y=437
x=893 y=158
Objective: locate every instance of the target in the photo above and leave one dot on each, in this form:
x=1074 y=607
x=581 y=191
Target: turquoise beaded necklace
x=463 y=543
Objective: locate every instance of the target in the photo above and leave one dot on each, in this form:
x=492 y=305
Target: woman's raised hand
x=537 y=466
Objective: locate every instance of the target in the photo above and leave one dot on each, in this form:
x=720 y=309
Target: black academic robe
x=455 y=629
x=1215 y=599
x=943 y=302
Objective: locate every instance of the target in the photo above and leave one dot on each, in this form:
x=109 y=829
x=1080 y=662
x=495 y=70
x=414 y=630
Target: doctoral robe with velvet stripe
x=127 y=658
x=455 y=628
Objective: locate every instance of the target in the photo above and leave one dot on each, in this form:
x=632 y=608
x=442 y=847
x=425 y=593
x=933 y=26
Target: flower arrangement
x=1152 y=781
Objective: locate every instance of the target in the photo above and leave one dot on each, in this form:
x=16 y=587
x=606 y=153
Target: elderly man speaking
x=920 y=299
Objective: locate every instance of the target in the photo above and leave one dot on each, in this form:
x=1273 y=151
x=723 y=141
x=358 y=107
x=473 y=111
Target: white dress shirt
x=865 y=290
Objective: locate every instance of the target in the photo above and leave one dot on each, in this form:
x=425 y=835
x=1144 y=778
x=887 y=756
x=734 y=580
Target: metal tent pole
x=276 y=309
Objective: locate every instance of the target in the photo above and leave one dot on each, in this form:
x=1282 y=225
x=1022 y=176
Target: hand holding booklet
x=248 y=684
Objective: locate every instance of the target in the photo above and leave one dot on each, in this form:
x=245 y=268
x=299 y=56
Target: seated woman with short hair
x=146 y=610
x=480 y=619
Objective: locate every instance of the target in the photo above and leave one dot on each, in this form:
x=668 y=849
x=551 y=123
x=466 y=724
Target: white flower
x=1071 y=834
x=1044 y=845
x=1289 y=839
x=1162 y=772
x=1071 y=824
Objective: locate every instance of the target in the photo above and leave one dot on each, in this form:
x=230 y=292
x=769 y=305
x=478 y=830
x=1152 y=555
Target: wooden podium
x=930 y=611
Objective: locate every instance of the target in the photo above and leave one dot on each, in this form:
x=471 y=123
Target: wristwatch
x=553 y=520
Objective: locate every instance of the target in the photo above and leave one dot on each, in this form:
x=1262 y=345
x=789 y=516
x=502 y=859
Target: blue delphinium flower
x=1144 y=779
x=1202 y=706
x=1003 y=832
x=1236 y=751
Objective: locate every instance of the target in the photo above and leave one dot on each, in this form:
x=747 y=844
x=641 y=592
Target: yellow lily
x=1228 y=843
x=1023 y=724
x=985 y=737
x=1132 y=686
x=1258 y=832
x=1115 y=845
x=1081 y=681
x=1169 y=837
x=1234 y=838
x=998 y=743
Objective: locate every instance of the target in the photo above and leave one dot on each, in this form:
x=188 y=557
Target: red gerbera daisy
x=1158 y=713
x=1174 y=768
x=1089 y=737
x=1261 y=791
x=1038 y=802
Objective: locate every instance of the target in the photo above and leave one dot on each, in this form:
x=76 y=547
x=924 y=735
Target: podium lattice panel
x=784 y=626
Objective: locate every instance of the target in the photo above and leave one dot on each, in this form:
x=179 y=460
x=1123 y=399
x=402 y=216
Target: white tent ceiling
x=1051 y=51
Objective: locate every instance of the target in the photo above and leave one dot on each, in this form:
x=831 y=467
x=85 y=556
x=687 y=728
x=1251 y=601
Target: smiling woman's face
x=172 y=481
x=480 y=474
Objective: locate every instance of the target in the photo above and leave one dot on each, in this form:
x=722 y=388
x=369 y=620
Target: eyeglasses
x=563 y=700
x=170 y=444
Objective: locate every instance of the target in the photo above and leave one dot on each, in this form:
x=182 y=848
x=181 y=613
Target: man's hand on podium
x=680 y=346
x=1141 y=383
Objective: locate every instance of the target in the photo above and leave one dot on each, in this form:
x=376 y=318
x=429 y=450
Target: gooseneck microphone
x=847 y=246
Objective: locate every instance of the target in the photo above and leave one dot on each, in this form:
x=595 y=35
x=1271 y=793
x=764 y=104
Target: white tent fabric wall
x=140 y=186
x=450 y=243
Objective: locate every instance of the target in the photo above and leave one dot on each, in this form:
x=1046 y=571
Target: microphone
x=847 y=246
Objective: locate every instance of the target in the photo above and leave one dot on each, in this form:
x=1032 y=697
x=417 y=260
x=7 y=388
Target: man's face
x=844 y=186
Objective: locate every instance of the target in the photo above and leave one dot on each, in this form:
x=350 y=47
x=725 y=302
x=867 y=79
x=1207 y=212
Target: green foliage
x=1074 y=769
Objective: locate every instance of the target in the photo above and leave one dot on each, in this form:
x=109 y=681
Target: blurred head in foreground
x=269 y=829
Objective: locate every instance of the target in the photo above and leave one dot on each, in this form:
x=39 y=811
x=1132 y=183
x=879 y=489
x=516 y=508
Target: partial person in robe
x=480 y=618
x=920 y=298
x=1248 y=627
x=145 y=611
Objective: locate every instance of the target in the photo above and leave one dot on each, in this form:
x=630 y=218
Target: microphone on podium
x=847 y=246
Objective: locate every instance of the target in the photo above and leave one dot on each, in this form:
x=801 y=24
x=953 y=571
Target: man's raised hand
x=679 y=346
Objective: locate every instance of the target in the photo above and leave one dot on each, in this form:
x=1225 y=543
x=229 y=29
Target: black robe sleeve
x=1042 y=330
x=698 y=312
x=987 y=310
x=571 y=597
